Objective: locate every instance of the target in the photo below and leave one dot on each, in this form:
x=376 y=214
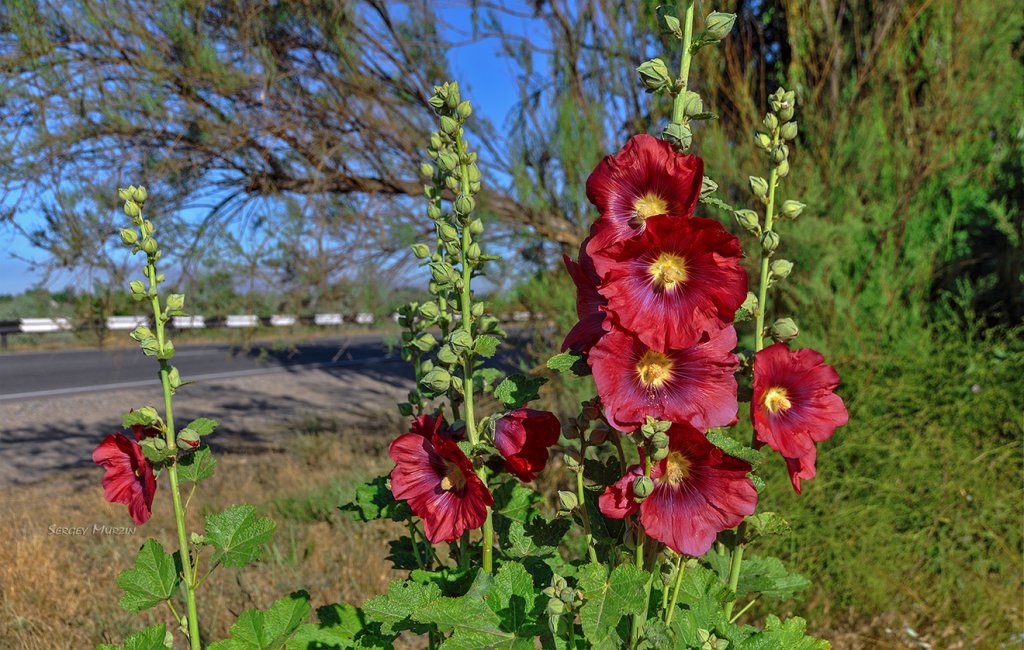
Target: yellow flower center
x=654 y=368
x=648 y=205
x=677 y=468
x=776 y=399
x=668 y=270
x=453 y=479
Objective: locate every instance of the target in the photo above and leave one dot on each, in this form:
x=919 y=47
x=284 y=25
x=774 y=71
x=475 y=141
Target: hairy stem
x=172 y=471
x=686 y=16
x=584 y=515
x=670 y=610
x=641 y=537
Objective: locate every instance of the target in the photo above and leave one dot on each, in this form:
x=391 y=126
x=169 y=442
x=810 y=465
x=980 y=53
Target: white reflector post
x=328 y=319
x=283 y=320
x=242 y=320
x=116 y=323
x=364 y=318
x=189 y=322
x=32 y=325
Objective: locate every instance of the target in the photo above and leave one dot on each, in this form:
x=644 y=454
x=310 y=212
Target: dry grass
x=58 y=591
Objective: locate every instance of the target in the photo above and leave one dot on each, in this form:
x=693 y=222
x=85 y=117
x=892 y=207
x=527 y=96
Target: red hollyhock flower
x=590 y=305
x=674 y=281
x=128 y=478
x=645 y=179
x=795 y=405
x=694 y=384
x=699 y=491
x=427 y=425
x=523 y=437
x=437 y=480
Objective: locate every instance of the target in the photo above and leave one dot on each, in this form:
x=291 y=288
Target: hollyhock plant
x=675 y=281
x=436 y=478
x=645 y=179
x=698 y=492
x=128 y=478
x=590 y=304
x=795 y=406
x=523 y=437
x=427 y=425
x=695 y=384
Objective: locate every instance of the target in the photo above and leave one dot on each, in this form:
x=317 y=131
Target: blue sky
x=485 y=77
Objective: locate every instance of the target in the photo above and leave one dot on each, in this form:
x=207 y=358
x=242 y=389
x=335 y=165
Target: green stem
x=686 y=7
x=670 y=610
x=641 y=537
x=584 y=515
x=762 y=303
x=172 y=472
x=743 y=611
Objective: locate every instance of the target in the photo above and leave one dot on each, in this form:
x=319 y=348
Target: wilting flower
x=699 y=491
x=590 y=305
x=673 y=282
x=128 y=476
x=646 y=178
x=795 y=406
x=695 y=384
x=523 y=437
x=437 y=480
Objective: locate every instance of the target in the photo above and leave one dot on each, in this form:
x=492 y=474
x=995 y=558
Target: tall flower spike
x=698 y=492
x=795 y=406
x=646 y=178
x=695 y=384
x=674 y=281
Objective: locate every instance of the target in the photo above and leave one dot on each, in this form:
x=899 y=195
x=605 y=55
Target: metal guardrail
x=125 y=323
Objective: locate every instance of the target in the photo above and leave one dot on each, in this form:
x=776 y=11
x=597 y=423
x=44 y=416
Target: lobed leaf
x=608 y=598
x=516 y=390
x=152 y=638
x=394 y=610
x=237 y=534
x=151 y=581
x=197 y=466
x=270 y=630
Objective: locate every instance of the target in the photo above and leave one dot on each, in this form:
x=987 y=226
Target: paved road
x=54 y=373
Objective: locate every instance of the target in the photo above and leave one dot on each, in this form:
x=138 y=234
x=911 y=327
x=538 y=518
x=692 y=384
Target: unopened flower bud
x=762 y=140
x=659 y=455
x=137 y=286
x=441 y=273
x=707 y=187
x=750 y=302
x=437 y=380
x=770 y=123
x=568 y=501
x=670 y=23
x=139 y=194
x=792 y=209
x=464 y=110
x=447 y=355
x=149 y=245
x=129 y=236
x=476 y=227
x=717 y=25
x=642 y=488
x=461 y=339
x=425 y=342
x=477 y=309
x=464 y=204
x=428 y=310
x=786 y=112
x=124 y=193
x=789 y=97
x=679 y=136
x=434 y=211
x=759 y=187
x=784 y=330
x=447 y=161
x=782 y=170
x=781 y=268
x=448 y=125
x=659 y=440
x=427 y=170
x=435 y=141
x=692 y=104
x=474 y=174
x=447 y=231
x=175 y=301
x=788 y=131
x=188 y=439
x=654 y=75
x=556 y=607
x=748 y=220
x=421 y=251
x=132 y=209
x=598 y=436
x=769 y=241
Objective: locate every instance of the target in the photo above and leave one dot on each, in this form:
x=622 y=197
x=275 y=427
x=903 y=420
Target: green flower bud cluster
x=562 y=598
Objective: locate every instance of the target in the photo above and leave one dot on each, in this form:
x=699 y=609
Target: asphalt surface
x=35 y=375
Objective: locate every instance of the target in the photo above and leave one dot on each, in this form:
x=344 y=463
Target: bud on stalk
x=654 y=75
x=642 y=488
x=717 y=25
x=792 y=209
x=785 y=330
x=748 y=219
x=759 y=187
x=769 y=241
x=781 y=269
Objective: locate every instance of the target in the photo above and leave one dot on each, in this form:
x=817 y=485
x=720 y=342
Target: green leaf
x=777 y=635
x=486 y=346
x=202 y=426
x=569 y=361
x=270 y=630
x=472 y=621
x=197 y=466
x=151 y=581
x=733 y=448
x=767 y=523
x=760 y=575
x=607 y=599
x=237 y=534
x=536 y=538
x=145 y=416
x=152 y=638
x=374 y=500
x=515 y=501
x=394 y=609
x=516 y=390
x=513 y=597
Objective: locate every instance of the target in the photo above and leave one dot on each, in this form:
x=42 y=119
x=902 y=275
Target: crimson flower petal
x=438 y=482
x=646 y=178
x=674 y=281
x=695 y=384
x=795 y=406
x=523 y=437
x=590 y=305
x=128 y=476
